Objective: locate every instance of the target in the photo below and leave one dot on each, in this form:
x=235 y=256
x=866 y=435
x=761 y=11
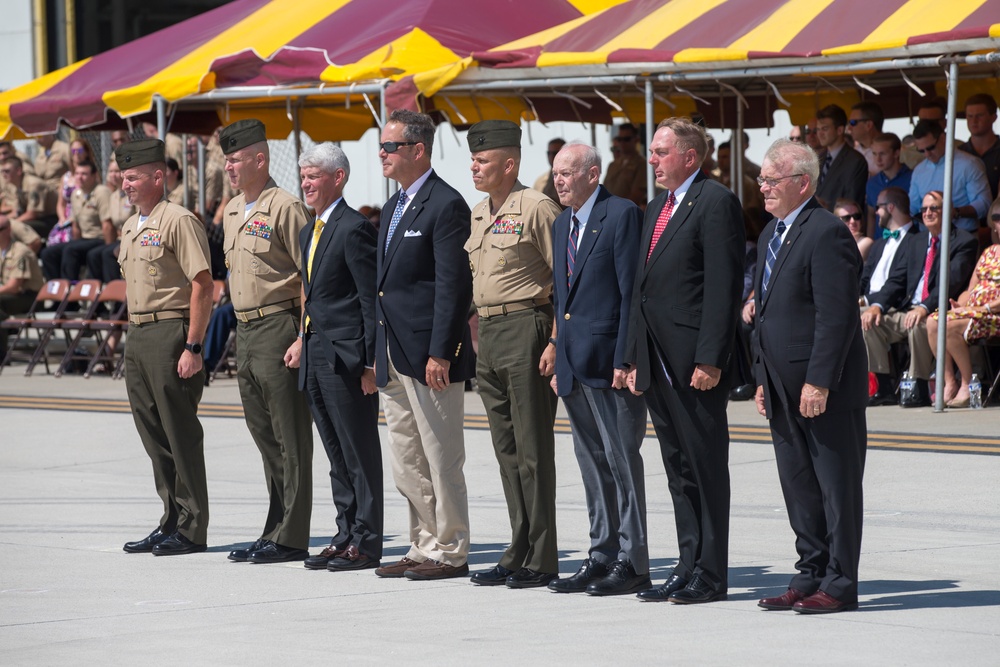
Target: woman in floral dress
x=974 y=316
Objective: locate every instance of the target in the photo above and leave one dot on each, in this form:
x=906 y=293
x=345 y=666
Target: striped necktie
x=574 y=236
x=661 y=223
x=397 y=215
x=773 y=246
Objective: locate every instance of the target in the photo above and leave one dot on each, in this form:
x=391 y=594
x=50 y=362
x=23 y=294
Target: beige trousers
x=427 y=445
x=892 y=330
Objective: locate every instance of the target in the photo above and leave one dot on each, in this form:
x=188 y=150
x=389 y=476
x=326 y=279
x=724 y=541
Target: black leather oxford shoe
x=495 y=577
x=663 y=592
x=697 y=591
x=146 y=544
x=589 y=572
x=241 y=555
x=272 y=552
x=178 y=545
x=621 y=580
x=525 y=578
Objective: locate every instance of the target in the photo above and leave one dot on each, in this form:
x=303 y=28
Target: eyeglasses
x=855 y=121
x=393 y=146
x=797 y=139
x=78 y=151
x=772 y=182
x=624 y=139
x=929 y=148
x=850 y=216
x=931 y=209
x=995 y=217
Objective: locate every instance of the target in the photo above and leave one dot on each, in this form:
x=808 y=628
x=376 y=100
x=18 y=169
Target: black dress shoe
x=177 y=545
x=744 y=392
x=621 y=580
x=352 y=559
x=882 y=399
x=495 y=577
x=663 y=592
x=272 y=552
x=241 y=555
x=525 y=578
x=588 y=573
x=146 y=544
x=321 y=560
x=697 y=591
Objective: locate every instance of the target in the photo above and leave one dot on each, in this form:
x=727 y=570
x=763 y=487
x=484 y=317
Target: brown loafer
x=783 y=602
x=396 y=570
x=351 y=559
x=822 y=603
x=432 y=569
x=322 y=560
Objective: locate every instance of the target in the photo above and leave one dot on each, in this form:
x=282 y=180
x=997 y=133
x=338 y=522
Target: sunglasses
x=929 y=148
x=855 y=121
x=850 y=216
x=78 y=150
x=931 y=209
x=995 y=217
x=393 y=146
x=624 y=139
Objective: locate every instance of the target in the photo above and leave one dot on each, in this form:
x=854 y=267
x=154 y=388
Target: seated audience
x=850 y=213
x=974 y=315
x=891 y=173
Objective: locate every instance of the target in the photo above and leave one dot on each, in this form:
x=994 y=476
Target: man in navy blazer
x=595 y=254
x=684 y=312
x=812 y=379
x=423 y=348
x=336 y=365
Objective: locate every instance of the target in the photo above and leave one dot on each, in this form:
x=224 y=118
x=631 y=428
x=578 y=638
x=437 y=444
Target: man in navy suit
x=684 y=312
x=596 y=249
x=423 y=348
x=336 y=366
x=812 y=379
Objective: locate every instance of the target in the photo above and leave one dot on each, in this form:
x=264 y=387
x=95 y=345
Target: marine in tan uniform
x=262 y=226
x=26 y=235
x=510 y=255
x=52 y=161
x=91 y=213
x=20 y=277
x=27 y=198
x=164 y=260
x=7 y=150
x=626 y=175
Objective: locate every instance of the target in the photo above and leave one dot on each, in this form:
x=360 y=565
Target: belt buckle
x=260 y=312
x=503 y=309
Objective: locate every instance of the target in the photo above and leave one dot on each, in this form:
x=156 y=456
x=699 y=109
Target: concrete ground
x=75 y=484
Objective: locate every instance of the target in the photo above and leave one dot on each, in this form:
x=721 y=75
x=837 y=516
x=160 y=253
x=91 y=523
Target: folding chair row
x=53 y=292
x=107 y=321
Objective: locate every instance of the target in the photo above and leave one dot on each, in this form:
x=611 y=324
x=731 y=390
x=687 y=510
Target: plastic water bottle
x=907 y=390
x=975 y=392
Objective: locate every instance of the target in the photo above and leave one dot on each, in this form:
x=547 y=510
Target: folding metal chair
x=83 y=294
x=54 y=291
x=112 y=297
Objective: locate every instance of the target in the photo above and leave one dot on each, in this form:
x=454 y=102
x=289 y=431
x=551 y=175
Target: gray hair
x=798 y=156
x=327 y=157
x=416 y=127
x=688 y=135
x=589 y=156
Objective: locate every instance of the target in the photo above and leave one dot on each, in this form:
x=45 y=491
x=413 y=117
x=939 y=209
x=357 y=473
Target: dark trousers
x=102 y=263
x=220 y=325
x=277 y=415
x=693 y=431
x=521 y=408
x=165 y=411
x=13 y=304
x=66 y=260
x=608 y=428
x=821 y=464
x=347 y=421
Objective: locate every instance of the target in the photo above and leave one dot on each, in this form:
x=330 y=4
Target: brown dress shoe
x=822 y=603
x=432 y=569
x=351 y=559
x=396 y=570
x=783 y=602
x=321 y=560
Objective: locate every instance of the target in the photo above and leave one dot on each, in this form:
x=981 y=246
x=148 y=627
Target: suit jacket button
x=566 y=316
x=644 y=298
x=380 y=323
x=381 y=294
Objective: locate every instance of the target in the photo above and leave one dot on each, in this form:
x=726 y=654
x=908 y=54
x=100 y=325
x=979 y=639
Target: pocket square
x=412 y=232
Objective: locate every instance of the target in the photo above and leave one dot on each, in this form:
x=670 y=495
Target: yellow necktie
x=317 y=230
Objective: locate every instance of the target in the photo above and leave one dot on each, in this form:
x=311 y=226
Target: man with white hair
x=336 y=368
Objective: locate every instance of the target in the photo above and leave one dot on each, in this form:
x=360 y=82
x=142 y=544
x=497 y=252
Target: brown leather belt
x=147 y=318
x=487 y=312
x=264 y=311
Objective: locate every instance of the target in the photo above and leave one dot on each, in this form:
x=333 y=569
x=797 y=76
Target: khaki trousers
x=427 y=445
x=892 y=330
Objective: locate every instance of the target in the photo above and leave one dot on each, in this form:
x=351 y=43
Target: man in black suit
x=812 y=379
x=682 y=330
x=423 y=348
x=899 y=310
x=336 y=367
x=843 y=170
x=596 y=248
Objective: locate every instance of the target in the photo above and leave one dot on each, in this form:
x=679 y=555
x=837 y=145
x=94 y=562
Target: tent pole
x=298 y=148
x=949 y=169
x=201 y=176
x=184 y=173
x=382 y=119
x=736 y=151
x=161 y=117
x=650 y=128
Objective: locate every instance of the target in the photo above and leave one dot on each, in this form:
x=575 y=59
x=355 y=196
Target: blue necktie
x=773 y=246
x=893 y=234
x=574 y=235
x=396 y=217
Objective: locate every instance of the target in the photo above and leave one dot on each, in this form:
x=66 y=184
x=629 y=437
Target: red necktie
x=928 y=263
x=661 y=223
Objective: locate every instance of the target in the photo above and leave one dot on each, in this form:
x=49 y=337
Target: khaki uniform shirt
x=626 y=175
x=510 y=254
x=120 y=209
x=20 y=262
x=23 y=233
x=160 y=260
x=176 y=196
x=27 y=166
x=89 y=211
x=50 y=168
x=262 y=248
x=34 y=195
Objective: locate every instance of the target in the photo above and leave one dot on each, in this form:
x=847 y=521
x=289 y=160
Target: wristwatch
x=193 y=348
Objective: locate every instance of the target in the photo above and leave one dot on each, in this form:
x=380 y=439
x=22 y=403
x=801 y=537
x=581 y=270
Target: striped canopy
x=277 y=43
